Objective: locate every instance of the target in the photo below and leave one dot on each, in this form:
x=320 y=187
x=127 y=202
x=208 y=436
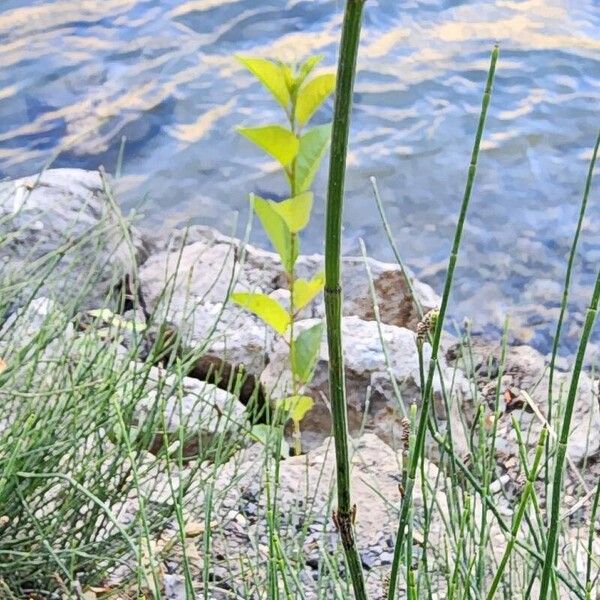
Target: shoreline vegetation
x=176 y=426
x=140 y=453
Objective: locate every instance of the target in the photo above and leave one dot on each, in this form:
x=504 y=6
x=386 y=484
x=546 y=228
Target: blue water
x=77 y=75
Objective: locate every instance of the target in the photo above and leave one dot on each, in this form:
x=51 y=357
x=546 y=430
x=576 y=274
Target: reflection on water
x=79 y=74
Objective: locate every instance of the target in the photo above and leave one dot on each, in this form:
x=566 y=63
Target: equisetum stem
x=527 y=491
x=566 y=286
x=590 y=546
x=333 y=291
x=561 y=452
x=426 y=398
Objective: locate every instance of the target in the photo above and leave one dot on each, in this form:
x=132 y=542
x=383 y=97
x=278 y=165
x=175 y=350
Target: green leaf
x=312 y=95
x=295 y=211
x=269 y=310
x=275 y=140
x=271 y=75
x=278 y=232
x=264 y=433
x=305 y=291
x=306 y=68
x=306 y=352
x=297 y=406
x=313 y=146
x=104 y=314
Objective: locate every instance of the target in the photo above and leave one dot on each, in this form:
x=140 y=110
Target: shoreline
x=175 y=284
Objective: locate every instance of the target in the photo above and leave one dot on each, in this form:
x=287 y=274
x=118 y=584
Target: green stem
x=333 y=290
x=292 y=362
x=531 y=477
x=566 y=286
x=561 y=452
x=590 y=546
x=407 y=499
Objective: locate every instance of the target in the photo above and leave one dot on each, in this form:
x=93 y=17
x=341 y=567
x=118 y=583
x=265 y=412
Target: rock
x=61 y=227
x=203 y=410
x=525 y=370
x=35 y=325
x=188 y=288
x=370 y=395
x=395 y=303
x=188 y=284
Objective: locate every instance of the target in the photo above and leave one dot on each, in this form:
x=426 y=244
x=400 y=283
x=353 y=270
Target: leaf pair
x=306 y=345
x=270 y=311
x=281 y=220
x=288 y=87
x=300 y=157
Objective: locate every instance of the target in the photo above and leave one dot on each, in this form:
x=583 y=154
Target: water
x=78 y=75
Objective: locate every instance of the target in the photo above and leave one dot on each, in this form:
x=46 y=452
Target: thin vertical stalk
x=561 y=452
x=590 y=543
x=566 y=286
x=333 y=289
x=423 y=419
x=527 y=491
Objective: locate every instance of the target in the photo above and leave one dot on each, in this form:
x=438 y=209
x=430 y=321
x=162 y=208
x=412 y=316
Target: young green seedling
x=299 y=152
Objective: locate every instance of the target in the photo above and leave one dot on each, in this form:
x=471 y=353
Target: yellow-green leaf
x=104 y=314
x=278 y=142
x=312 y=95
x=264 y=307
x=306 y=68
x=297 y=406
x=277 y=231
x=305 y=291
x=295 y=211
x=307 y=348
x=313 y=146
x=271 y=75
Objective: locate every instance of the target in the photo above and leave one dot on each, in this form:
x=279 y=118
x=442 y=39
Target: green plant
x=428 y=392
x=345 y=514
x=299 y=153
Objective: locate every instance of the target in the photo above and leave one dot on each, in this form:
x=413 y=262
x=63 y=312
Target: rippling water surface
x=78 y=75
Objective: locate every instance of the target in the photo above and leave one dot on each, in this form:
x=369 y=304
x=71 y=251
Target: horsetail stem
x=561 y=452
x=527 y=491
x=333 y=291
x=406 y=501
x=566 y=286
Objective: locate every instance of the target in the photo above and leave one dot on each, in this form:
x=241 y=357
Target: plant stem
x=531 y=477
x=561 y=451
x=333 y=290
x=426 y=399
x=566 y=286
x=295 y=386
x=590 y=545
